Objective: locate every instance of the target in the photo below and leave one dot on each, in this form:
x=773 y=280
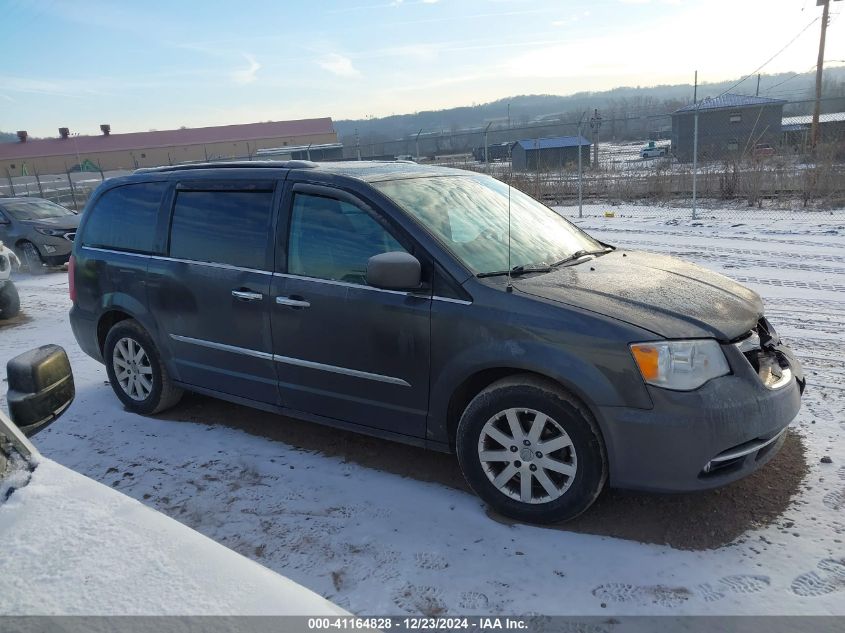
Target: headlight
x=680 y=365
x=52 y=232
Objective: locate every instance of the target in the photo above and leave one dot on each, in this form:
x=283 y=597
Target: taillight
x=71 y=285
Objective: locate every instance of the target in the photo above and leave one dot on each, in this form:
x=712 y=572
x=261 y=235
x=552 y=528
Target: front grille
x=759 y=349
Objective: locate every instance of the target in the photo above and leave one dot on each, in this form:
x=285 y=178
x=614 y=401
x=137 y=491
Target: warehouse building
x=796 y=129
x=728 y=126
x=109 y=151
x=549 y=154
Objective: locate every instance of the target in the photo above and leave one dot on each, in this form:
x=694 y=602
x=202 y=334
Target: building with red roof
x=109 y=151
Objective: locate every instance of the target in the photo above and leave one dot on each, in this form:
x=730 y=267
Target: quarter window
x=331 y=239
x=226 y=227
x=124 y=218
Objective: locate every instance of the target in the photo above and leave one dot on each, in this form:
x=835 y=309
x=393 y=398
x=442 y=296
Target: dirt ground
x=695 y=521
x=21 y=317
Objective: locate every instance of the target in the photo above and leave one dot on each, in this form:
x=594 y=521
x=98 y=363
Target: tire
x=148 y=388
x=31 y=258
x=569 y=430
x=10 y=302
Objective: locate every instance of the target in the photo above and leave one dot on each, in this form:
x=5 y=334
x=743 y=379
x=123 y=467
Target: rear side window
x=124 y=218
x=225 y=227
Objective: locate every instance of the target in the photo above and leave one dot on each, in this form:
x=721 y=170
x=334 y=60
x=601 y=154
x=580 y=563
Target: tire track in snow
x=707 y=248
x=708 y=235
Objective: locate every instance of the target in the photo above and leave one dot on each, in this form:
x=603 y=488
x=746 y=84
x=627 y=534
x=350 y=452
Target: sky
x=161 y=65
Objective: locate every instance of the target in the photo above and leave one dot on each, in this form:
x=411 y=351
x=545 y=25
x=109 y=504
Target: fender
x=587 y=381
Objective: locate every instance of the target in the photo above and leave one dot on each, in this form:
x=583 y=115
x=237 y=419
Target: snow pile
x=73 y=546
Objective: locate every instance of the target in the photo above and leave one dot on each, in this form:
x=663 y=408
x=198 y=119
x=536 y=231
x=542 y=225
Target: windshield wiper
x=522 y=269
x=578 y=255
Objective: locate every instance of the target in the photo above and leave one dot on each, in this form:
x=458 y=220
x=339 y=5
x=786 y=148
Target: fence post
x=72 y=191
x=694 y=163
x=38 y=181
x=580 y=166
x=580 y=175
x=11 y=184
x=486 y=158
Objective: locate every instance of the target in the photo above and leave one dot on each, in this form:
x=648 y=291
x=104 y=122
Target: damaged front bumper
x=719 y=433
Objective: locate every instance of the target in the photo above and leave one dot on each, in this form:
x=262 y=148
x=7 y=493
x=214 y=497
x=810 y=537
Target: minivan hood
x=69 y=222
x=668 y=296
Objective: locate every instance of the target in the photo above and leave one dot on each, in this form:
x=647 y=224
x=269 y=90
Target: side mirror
x=40 y=388
x=395 y=270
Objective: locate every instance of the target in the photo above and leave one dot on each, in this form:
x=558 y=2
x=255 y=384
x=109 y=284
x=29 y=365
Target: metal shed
x=550 y=153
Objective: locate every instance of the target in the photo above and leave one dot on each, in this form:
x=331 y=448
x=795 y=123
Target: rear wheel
x=10 y=303
x=31 y=258
x=531 y=450
x=136 y=373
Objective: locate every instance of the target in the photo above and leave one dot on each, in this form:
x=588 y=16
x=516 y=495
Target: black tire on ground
x=164 y=394
x=10 y=302
x=31 y=258
x=528 y=392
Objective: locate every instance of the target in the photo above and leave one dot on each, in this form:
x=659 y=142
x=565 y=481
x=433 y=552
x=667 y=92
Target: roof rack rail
x=240 y=164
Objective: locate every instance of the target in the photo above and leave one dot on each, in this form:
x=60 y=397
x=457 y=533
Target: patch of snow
x=73 y=546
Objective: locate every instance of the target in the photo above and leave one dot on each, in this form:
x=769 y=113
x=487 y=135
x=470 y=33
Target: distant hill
x=618 y=103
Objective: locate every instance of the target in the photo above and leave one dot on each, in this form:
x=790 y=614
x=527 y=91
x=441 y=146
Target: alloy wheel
x=132 y=369
x=527 y=455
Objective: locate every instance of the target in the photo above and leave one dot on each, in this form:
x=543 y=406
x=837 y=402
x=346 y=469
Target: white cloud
x=338 y=65
x=247 y=75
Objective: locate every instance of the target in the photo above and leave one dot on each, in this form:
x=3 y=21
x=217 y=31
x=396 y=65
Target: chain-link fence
x=70 y=189
x=733 y=157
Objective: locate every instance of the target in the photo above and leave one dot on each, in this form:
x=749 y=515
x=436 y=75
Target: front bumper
x=55 y=251
x=695 y=440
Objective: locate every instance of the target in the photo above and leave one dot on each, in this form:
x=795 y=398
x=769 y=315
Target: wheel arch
x=476 y=382
x=106 y=322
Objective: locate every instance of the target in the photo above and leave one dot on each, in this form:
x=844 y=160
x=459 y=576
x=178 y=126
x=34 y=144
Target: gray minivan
x=436 y=307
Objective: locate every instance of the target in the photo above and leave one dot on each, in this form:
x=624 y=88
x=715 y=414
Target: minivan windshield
x=469 y=215
x=35 y=210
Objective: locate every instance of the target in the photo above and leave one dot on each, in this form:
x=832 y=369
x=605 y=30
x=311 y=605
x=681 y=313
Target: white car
x=69 y=545
x=653 y=151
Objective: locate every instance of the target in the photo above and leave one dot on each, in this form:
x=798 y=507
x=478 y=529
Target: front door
x=344 y=349
x=211 y=293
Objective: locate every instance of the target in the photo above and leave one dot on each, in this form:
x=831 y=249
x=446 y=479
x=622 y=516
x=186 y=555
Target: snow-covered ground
x=378 y=542
x=73 y=546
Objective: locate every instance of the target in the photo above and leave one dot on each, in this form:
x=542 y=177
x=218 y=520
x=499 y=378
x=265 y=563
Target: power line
x=766 y=63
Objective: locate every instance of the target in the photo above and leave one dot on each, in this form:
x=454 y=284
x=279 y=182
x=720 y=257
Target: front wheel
x=136 y=373
x=531 y=450
x=31 y=258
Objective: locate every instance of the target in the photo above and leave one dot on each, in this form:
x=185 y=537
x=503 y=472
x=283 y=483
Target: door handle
x=294 y=303
x=247 y=295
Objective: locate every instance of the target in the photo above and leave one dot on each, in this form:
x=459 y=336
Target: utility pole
x=814 y=131
x=595 y=125
x=695 y=89
x=757 y=94
x=357 y=144
x=486 y=160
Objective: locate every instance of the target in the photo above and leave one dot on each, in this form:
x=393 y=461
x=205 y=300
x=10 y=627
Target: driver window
x=331 y=239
